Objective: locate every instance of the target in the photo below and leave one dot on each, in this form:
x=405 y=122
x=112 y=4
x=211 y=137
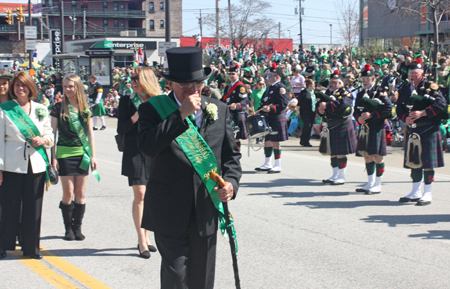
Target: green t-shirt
x=257 y=96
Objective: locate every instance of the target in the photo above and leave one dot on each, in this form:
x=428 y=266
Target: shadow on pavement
x=283 y=183
x=92 y=252
x=53 y=237
x=301 y=194
x=433 y=235
x=344 y=205
x=395 y=220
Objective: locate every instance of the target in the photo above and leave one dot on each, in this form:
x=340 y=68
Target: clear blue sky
x=319 y=14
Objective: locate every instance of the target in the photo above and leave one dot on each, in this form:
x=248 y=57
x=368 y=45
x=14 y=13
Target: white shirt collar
x=274 y=83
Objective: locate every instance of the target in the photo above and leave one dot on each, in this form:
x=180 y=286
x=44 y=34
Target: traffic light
x=19 y=14
x=8 y=17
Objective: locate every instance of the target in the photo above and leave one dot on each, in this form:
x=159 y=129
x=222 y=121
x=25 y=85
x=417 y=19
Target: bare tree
x=249 y=25
x=348 y=20
x=431 y=10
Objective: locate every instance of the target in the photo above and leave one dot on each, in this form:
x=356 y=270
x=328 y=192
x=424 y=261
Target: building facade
x=91 y=19
x=380 y=25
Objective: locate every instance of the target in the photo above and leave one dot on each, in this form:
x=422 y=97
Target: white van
x=6 y=64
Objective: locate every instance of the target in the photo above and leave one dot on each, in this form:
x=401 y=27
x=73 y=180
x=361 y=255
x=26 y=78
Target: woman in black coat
x=307 y=105
x=134 y=164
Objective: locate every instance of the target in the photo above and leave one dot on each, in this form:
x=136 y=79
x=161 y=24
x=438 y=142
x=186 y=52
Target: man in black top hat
x=371 y=115
x=422 y=106
x=180 y=206
x=236 y=97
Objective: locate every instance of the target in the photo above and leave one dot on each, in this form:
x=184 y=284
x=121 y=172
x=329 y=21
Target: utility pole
x=300 y=18
x=61 y=24
x=217 y=24
x=331 y=33
x=200 y=22
x=84 y=24
x=30 y=53
x=167 y=21
x=279 y=29
x=74 y=23
x=231 y=29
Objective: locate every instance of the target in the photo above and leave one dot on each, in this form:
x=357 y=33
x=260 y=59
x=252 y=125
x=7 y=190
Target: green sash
x=26 y=127
x=74 y=121
x=198 y=153
x=136 y=100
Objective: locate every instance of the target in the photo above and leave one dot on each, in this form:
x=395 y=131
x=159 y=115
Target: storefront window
x=397 y=42
x=388 y=43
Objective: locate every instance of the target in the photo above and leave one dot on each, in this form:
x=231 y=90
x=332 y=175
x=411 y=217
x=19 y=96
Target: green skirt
x=98 y=110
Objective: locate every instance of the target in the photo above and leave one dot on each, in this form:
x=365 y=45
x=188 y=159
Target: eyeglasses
x=135 y=79
x=189 y=86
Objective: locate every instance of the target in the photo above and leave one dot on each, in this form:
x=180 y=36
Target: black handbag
x=53 y=175
x=120 y=140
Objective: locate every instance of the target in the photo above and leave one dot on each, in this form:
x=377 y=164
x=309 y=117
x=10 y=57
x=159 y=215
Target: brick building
x=109 y=18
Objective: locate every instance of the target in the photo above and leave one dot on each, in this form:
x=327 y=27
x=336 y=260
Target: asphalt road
x=293 y=231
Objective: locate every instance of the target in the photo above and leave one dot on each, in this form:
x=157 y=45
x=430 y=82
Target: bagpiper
x=96 y=102
x=372 y=107
x=338 y=134
x=422 y=106
x=236 y=97
x=273 y=104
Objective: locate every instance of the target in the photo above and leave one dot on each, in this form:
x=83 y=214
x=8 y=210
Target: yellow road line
x=43 y=271
x=73 y=271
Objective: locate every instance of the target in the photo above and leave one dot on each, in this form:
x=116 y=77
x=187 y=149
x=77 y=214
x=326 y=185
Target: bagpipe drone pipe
x=322 y=97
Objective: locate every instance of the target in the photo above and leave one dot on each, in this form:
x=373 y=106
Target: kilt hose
x=376 y=144
x=432 y=150
x=343 y=138
x=238 y=119
x=278 y=124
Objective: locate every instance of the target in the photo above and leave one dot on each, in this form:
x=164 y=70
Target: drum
x=257 y=126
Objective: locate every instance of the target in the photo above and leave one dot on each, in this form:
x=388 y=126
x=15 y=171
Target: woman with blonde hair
x=25 y=134
x=135 y=165
x=75 y=152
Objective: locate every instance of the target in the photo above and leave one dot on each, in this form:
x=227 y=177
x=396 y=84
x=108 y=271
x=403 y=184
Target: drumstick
x=261 y=108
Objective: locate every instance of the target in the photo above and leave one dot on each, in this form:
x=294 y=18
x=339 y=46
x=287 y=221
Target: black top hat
x=234 y=68
x=185 y=65
x=335 y=75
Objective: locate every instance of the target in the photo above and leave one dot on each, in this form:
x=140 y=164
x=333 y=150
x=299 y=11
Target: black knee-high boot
x=78 y=214
x=67 y=213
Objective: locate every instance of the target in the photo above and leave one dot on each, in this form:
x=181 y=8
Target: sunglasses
x=232 y=73
x=188 y=87
x=260 y=83
x=135 y=79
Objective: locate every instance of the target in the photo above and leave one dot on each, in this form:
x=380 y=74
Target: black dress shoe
x=2 y=254
x=327 y=181
x=37 y=256
x=103 y=127
x=152 y=248
x=258 y=169
x=145 y=254
x=306 y=145
x=406 y=200
x=95 y=128
x=423 y=203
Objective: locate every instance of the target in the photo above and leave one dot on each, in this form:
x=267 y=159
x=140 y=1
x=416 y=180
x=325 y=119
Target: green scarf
x=313 y=99
x=198 y=153
x=75 y=123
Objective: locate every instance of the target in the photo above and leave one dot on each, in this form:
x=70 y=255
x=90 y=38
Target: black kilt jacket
x=380 y=114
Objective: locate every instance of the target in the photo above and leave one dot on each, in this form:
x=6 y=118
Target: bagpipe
x=323 y=97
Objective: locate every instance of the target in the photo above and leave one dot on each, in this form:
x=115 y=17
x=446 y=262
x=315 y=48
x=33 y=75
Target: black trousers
x=21 y=194
x=188 y=261
x=308 y=121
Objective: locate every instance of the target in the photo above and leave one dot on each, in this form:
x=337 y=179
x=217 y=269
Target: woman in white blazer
x=22 y=168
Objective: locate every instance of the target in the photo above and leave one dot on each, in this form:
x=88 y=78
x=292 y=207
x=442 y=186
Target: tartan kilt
x=432 y=150
x=278 y=124
x=238 y=120
x=376 y=144
x=98 y=110
x=343 y=138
